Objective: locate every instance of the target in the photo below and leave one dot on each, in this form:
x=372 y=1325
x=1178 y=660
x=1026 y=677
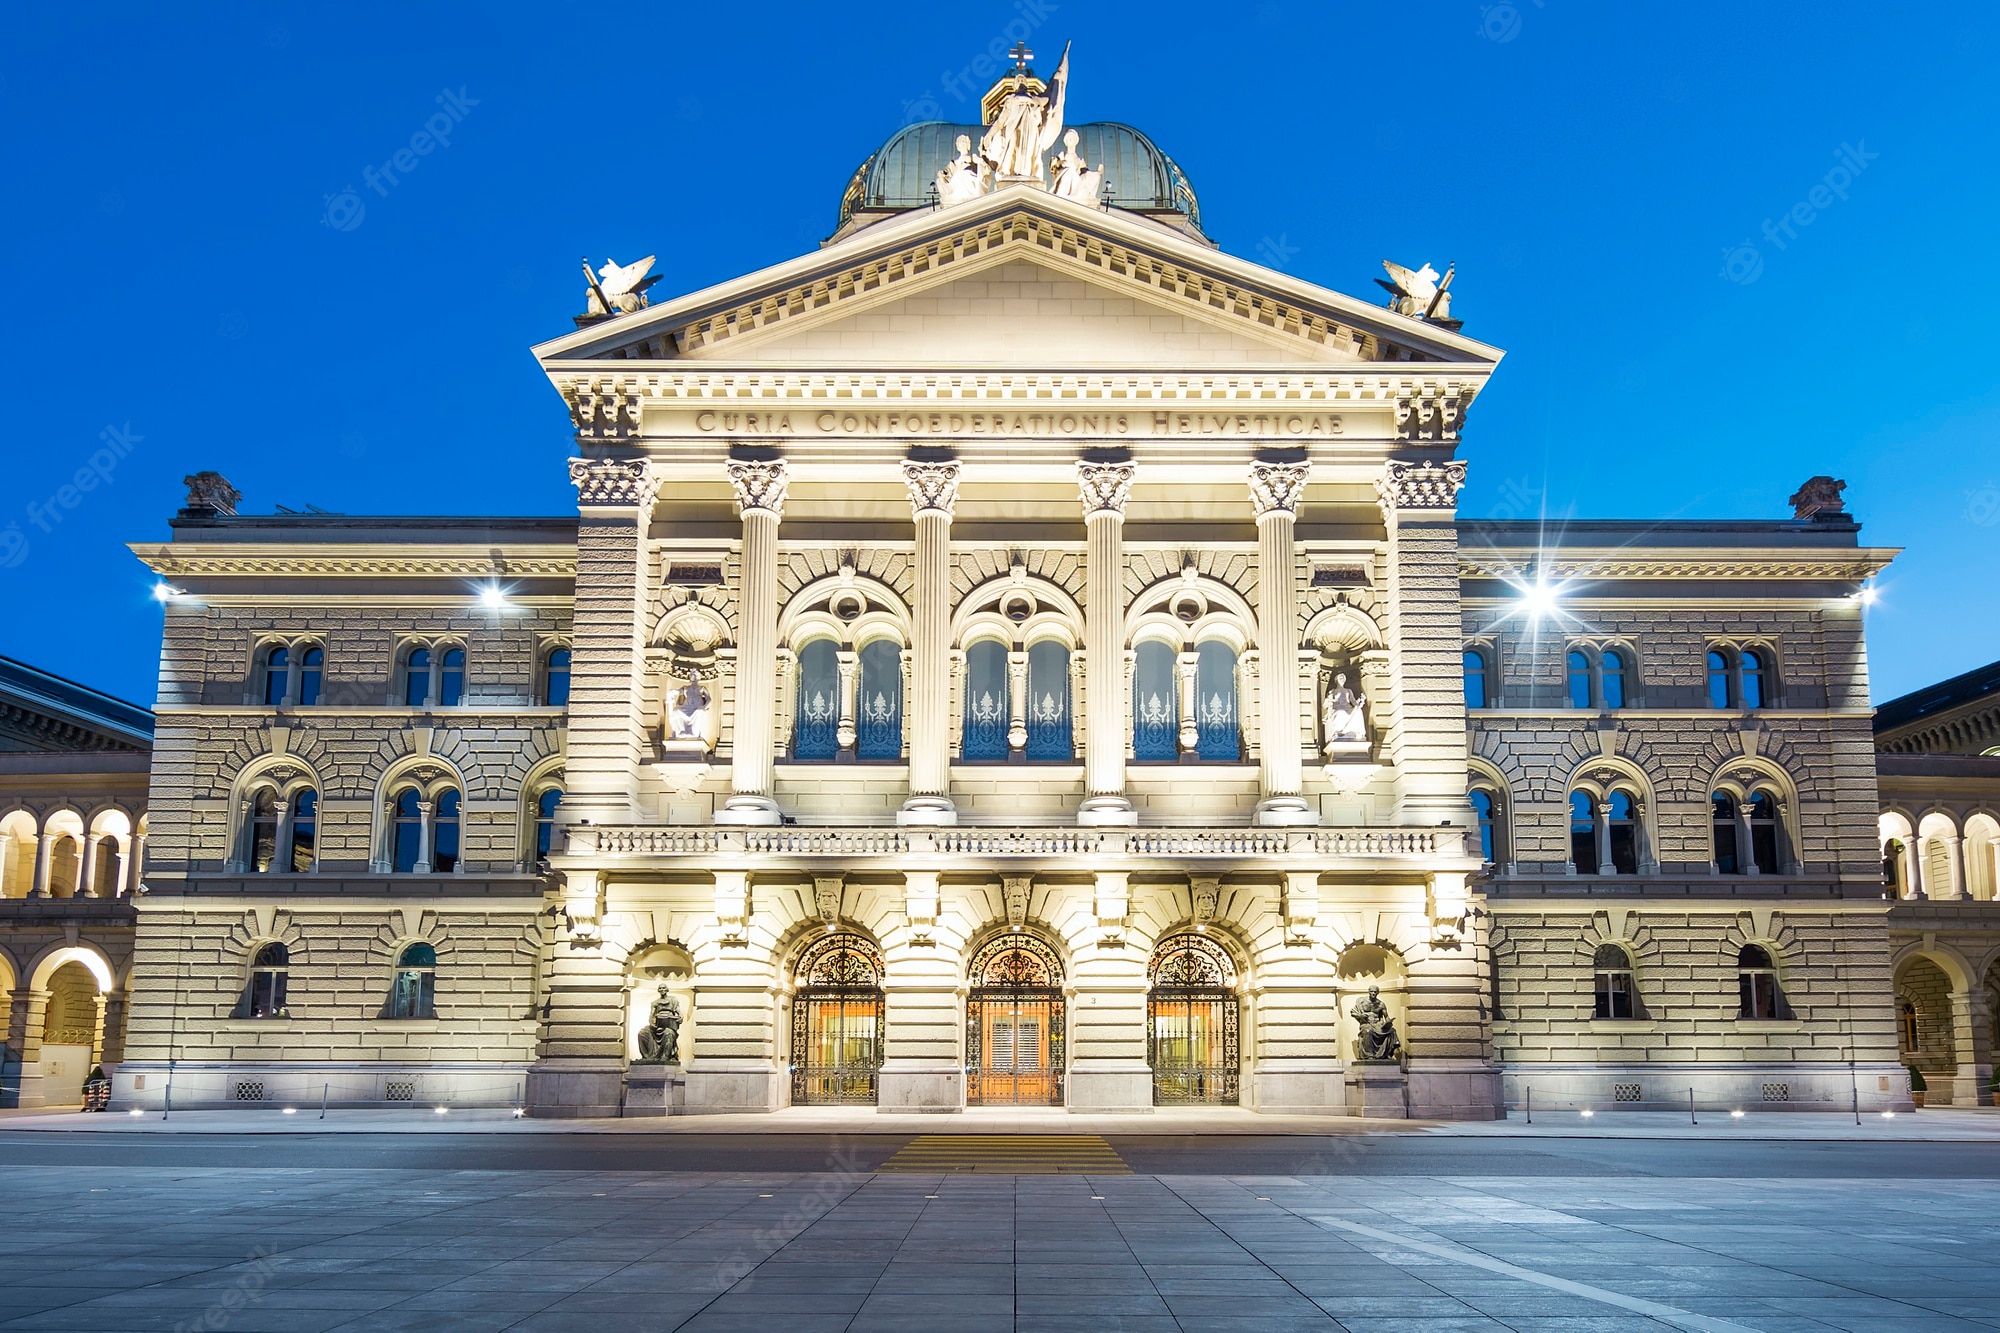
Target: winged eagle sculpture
x=1421 y=295
x=619 y=289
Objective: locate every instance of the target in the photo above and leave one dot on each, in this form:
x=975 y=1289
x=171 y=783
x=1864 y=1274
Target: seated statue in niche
x=660 y=1039
x=1344 y=717
x=1376 y=1039
x=687 y=713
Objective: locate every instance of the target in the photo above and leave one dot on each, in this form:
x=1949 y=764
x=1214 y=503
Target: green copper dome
x=902 y=174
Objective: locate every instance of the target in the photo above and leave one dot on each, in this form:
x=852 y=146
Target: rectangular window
x=1614 y=995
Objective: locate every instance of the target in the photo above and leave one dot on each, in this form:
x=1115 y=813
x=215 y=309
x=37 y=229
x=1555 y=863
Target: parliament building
x=1019 y=654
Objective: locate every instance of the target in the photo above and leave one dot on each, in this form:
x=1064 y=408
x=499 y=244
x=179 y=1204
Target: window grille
x=399 y=1090
x=249 y=1090
x=1626 y=1092
x=1777 y=1092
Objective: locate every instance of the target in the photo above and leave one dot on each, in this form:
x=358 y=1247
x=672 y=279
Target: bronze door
x=1191 y=1043
x=836 y=1046
x=1014 y=1047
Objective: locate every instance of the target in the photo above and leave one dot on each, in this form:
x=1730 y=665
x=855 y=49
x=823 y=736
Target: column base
x=1378 y=1090
x=759 y=810
x=928 y=812
x=1286 y=812
x=1107 y=812
x=653 y=1090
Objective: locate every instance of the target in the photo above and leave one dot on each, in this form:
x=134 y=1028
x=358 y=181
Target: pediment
x=1017 y=278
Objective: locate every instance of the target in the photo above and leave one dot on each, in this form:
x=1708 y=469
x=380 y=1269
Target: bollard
x=1691 y=1119
x=322 y=1100
x=1529 y=1093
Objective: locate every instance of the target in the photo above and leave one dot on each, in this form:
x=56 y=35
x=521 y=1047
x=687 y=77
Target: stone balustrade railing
x=1165 y=844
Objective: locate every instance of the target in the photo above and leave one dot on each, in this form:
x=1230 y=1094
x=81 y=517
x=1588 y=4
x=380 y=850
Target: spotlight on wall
x=493 y=598
x=1540 y=600
x=1867 y=594
x=164 y=592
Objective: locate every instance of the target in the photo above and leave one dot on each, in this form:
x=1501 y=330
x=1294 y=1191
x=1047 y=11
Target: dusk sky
x=207 y=269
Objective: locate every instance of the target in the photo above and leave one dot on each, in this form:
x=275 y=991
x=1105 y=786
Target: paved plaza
x=970 y=1232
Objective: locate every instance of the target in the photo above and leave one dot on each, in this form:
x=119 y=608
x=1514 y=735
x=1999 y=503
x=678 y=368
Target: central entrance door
x=1014 y=1026
x=837 y=1022
x=1191 y=1024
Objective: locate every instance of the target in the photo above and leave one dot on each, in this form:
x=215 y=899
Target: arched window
x=261 y=840
x=1764 y=833
x=1611 y=678
x=312 y=668
x=1615 y=989
x=277 y=676
x=1906 y=1026
x=1582 y=833
x=451 y=678
x=407 y=830
x=986 y=708
x=1476 y=693
x=1722 y=827
x=1486 y=804
x=305 y=830
x=878 y=722
x=1757 y=984
x=1719 y=695
x=269 y=972
x=1579 y=679
x=444 y=833
x=816 y=718
x=1755 y=674
x=1622 y=826
x=413 y=994
x=1892 y=868
x=417 y=677
x=545 y=821
x=1049 y=735
x=555 y=679
x=1217 y=739
x=1155 y=704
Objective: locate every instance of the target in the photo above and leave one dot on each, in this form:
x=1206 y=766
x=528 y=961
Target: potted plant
x=1917 y=1085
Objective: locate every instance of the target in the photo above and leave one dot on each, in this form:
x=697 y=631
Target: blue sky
x=178 y=300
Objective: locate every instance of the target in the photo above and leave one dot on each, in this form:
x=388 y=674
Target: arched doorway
x=1191 y=1023
x=837 y=1022
x=70 y=1034
x=1014 y=1025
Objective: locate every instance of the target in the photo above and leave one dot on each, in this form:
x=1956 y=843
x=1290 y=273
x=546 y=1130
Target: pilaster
x=1105 y=488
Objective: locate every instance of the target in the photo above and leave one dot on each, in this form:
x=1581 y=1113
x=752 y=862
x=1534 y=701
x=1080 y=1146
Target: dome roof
x=902 y=174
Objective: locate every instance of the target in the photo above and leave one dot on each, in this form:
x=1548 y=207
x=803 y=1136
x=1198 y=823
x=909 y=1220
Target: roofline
x=1916 y=706
x=48 y=689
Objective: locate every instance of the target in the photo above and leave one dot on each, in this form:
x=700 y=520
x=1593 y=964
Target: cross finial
x=1021 y=55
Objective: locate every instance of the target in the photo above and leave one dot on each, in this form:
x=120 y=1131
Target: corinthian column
x=760 y=498
x=933 y=492
x=1105 y=487
x=1275 y=492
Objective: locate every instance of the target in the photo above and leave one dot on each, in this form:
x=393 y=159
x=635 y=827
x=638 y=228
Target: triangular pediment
x=1017 y=278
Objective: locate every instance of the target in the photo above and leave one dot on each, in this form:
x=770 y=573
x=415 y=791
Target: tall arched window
x=1612 y=671
x=1579 y=679
x=1217 y=739
x=1764 y=833
x=1755 y=674
x=261 y=838
x=1049 y=735
x=312 y=668
x=1582 y=833
x=1622 y=826
x=413 y=992
x=545 y=821
x=417 y=677
x=1718 y=679
x=555 y=679
x=1476 y=693
x=1757 y=984
x=270 y=971
x=406 y=830
x=816 y=718
x=986 y=707
x=1722 y=825
x=444 y=833
x=305 y=830
x=1615 y=991
x=1156 y=709
x=1487 y=806
x=277 y=676
x=878 y=707
x=451 y=678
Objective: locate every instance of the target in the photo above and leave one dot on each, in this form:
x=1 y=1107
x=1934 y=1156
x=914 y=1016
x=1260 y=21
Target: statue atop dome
x=1074 y=178
x=1026 y=124
x=963 y=178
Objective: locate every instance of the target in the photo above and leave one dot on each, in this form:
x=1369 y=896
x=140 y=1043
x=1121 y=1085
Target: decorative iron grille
x=837 y=1022
x=249 y=1091
x=399 y=1090
x=1193 y=1041
x=1015 y=1034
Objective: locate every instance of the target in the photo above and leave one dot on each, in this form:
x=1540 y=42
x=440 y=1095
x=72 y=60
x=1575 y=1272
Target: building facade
x=73 y=775
x=1016 y=654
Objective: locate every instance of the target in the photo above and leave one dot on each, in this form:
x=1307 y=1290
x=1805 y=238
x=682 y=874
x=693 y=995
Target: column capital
x=625 y=482
x=1105 y=487
x=1425 y=485
x=759 y=486
x=1277 y=488
x=933 y=486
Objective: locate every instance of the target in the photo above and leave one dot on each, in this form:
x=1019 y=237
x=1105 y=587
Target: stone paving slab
x=120 y=1247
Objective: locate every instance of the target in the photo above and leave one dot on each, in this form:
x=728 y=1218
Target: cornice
x=386 y=560
x=1853 y=565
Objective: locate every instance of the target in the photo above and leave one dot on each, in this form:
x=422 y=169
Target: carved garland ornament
x=1105 y=486
x=759 y=486
x=1424 y=485
x=932 y=486
x=626 y=482
x=1277 y=487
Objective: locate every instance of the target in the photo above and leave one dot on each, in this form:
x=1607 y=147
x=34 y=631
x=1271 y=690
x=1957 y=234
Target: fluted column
x=933 y=492
x=1105 y=488
x=760 y=498
x=1275 y=492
